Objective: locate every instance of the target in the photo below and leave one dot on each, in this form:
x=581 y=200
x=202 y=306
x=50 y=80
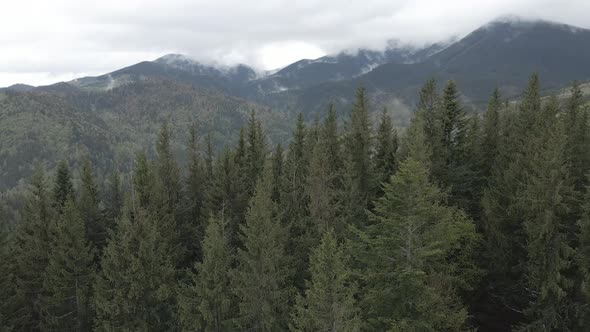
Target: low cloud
x=47 y=41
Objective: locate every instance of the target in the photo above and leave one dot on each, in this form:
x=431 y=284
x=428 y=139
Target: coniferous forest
x=462 y=221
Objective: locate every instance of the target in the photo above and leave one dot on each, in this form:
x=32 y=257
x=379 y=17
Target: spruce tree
x=294 y=201
x=193 y=227
x=88 y=205
x=429 y=108
x=582 y=260
x=544 y=206
x=31 y=251
x=277 y=173
x=241 y=183
x=63 y=189
x=143 y=182
x=359 y=174
x=223 y=194
x=113 y=200
x=323 y=194
x=577 y=138
x=65 y=303
x=135 y=290
x=331 y=139
x=256 y=151
x=456 y=171
x=329 y=303
x=168 y=171
x=412 y=257
x=386 y=149
x=262 y=279
x=209 y=299
x=524 y=210
x=491 y=135
x=8 y=290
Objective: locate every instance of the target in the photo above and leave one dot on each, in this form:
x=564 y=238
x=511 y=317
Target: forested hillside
x=462 y=221
x=64 y=122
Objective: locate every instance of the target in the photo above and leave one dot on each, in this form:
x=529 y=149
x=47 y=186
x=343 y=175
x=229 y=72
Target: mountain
x=174 y=67
x=501 y=54
x=111 y=116
x=64 y=122
x=343 y=66
x=18 y=87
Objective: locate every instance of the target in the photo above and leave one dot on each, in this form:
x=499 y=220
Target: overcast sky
x=47 y=41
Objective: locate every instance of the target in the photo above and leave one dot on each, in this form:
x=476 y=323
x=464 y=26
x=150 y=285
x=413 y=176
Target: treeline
x=462 y=222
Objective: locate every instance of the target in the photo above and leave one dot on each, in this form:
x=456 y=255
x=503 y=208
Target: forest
x=462 y=221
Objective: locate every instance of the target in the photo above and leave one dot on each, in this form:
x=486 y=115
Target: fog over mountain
x=62 y=40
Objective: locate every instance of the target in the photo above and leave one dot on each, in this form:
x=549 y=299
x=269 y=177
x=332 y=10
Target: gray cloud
x=48 y=41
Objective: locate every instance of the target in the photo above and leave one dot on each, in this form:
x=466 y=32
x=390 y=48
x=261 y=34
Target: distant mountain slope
x=343 y=66
x=113 y=115
x=174 y=67
x=501 y=54
x=111 y=126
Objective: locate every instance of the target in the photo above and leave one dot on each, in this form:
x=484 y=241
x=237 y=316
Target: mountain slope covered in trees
x=462 y=222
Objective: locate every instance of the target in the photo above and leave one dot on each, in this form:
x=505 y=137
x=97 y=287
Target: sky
x=44 y=42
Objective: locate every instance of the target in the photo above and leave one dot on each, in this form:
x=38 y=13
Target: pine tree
x=69 y=276
x=413 y=250
x=386 y=149
x=209 y=297
x=135 y=291
x=262 y=279
x=88 y=205
x=329 y=303
x=63 y=189
x=31 y=253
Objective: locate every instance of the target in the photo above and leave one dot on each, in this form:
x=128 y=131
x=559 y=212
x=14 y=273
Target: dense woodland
x=461 y=222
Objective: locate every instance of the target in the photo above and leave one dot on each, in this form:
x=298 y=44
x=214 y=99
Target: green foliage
x=359 y=175
x=88 y=205
x=262 y=278
x=412 y=247
x=136 y=288
x=65 y=303
x=63 y=189
x=31 y=250
x=294 y=201
x=386 y=149
x=208 y=299
x=113 y=201
x=193 y=227
x=403 y=256
x=329 y=303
